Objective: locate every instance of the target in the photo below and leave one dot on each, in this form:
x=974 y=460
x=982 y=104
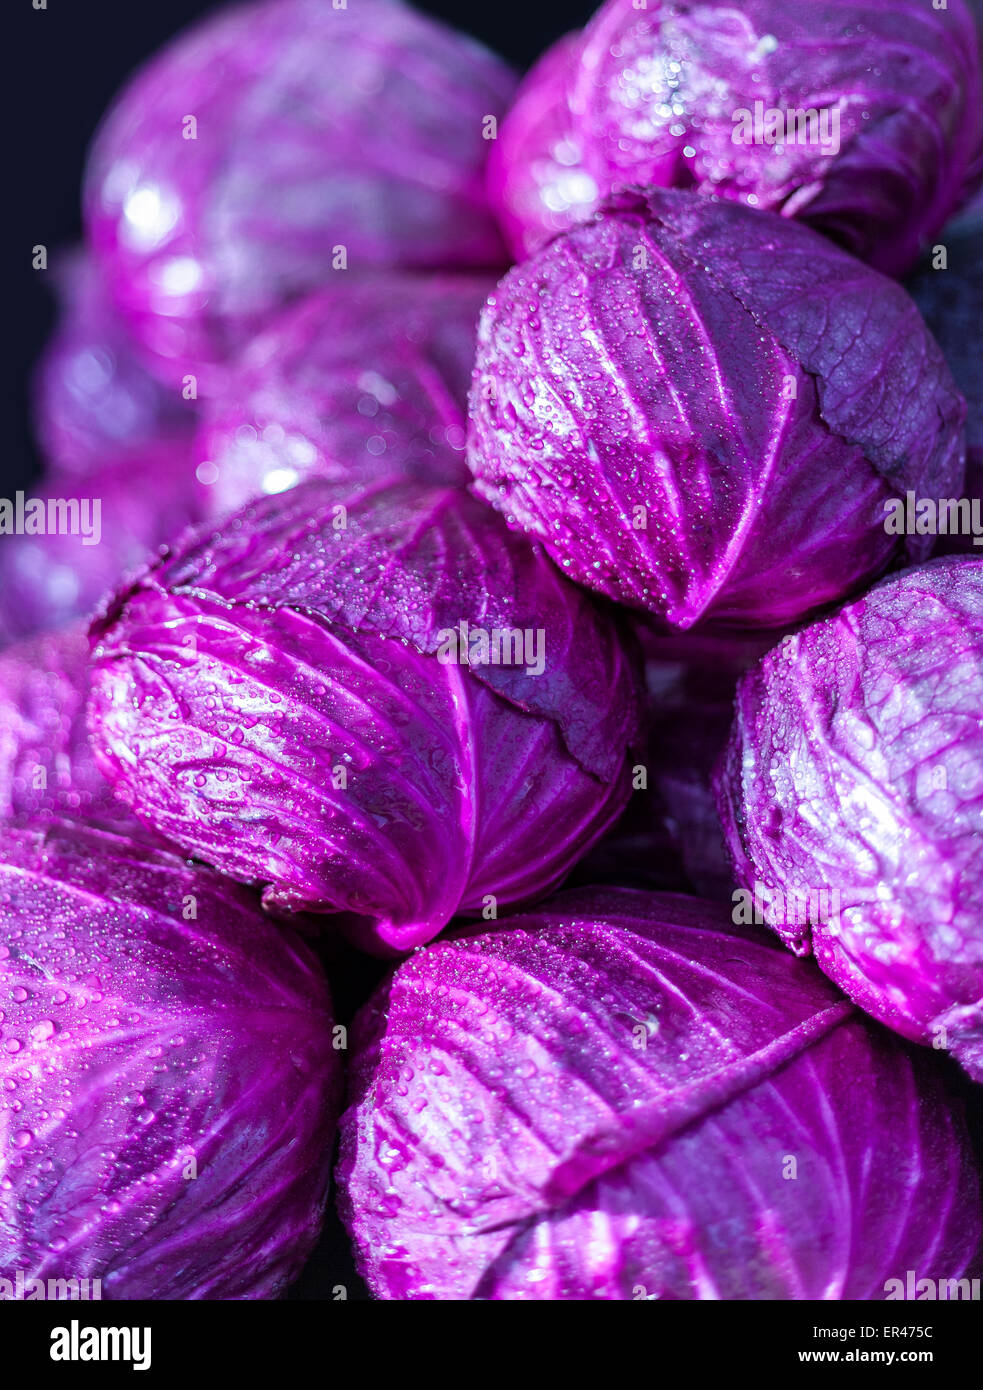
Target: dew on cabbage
x=274 y=148
x=860 y=119
x=702 y=412
x=372 y=700
x=169 y=1081
x=621 y=1095
x=367 y=377
x=851 y=794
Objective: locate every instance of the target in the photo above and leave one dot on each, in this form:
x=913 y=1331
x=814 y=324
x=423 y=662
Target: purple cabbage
x=701 y=411
x=93 y=398
x=169 y=1081
x=623 y=1096
x=278 y=145
x=862 y=119
x=370 y=377
x=852 y=798
x=537 y=183
x=282 y=699
x=94 y=529
x=46 y=765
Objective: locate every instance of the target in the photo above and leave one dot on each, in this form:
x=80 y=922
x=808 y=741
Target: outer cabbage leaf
x=537 y=182
x=365 y=378
x=46 y=765
x=702 y=411
x=604 y=1099
x=327 y=140
x=169 y=1084
x=855 y=768
x=93 y=397
x=275 y=697
x=877 y=111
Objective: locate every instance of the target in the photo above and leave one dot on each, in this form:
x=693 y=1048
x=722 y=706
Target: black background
x=63 y=66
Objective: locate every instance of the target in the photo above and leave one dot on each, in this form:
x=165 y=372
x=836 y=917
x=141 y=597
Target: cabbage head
x=863 y=120
x=371 y=700
x=169 y=1084
x=851 y=793
x=707 y=412
x=363 y=378
x=278 y=147
x=621 y=1095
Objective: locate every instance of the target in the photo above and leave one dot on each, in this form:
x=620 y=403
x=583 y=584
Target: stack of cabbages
x=569 y=635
